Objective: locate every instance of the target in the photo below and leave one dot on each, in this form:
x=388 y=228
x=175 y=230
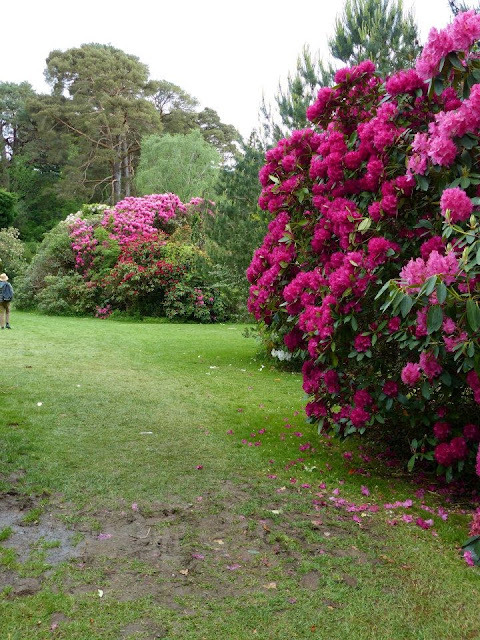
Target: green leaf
x=422 y=183
x=455 y=61
x=434 y=318
x=473 y=314
x=364 y=225
x=446 y=378
x=478 y=256
x=438 y=86
x=430 y=285
x=441 y=292
x=383 y=289
x=424 y=224
x=426 y=391
x=411 y=462
x=405 y=305
x=468 y=142
x=354 y=323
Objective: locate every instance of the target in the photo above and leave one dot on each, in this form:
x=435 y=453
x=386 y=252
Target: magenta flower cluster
x=376 y=193
x=136 y=232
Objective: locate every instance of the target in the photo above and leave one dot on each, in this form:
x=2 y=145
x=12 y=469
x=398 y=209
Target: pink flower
x=441 y=430
x=468 y=557
x=475 y=526
x=424 y=524
x=362 y=343
x=443 y=454
x=411 y=374
x=430 y=365
x=457 y=203
x=199 y=466
x=472 y=432
x=365 y=491
x=359 y=417
x=458 y=448
x=390 y=388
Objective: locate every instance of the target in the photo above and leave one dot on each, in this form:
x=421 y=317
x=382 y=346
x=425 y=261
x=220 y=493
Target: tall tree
x=183 y=164
x=377 y=30
x=99 y=100
x=220 y=135
x=176 y=107
x=15 y=126
x=239 y=224
x=457 y=6
x=301 y=90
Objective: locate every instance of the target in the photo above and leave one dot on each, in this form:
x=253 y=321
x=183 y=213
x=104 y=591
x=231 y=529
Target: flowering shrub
x=370 y=271
x=130 y=258
x=184 y=302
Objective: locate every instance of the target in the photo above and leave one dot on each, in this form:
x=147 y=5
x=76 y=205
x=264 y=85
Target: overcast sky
x=222 y=52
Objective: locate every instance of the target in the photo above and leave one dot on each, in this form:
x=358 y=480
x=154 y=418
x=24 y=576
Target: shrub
x=188 y=303
x=126 y=259
x=12 y=253
x=363 y=274
x=66 y=295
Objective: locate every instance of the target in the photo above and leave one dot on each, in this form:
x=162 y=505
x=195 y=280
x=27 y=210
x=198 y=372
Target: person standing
x=6 y=297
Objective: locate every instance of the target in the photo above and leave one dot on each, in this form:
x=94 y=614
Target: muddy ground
x=205 y=549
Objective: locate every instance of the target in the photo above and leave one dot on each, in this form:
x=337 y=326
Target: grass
x=102 y=415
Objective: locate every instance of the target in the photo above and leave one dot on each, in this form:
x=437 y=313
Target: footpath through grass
x=159 y=481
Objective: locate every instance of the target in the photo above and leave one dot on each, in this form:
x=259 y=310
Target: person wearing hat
x=6 y=297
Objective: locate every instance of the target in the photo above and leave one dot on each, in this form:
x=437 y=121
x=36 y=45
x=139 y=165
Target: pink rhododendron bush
x=144 y=256
x=370 y=271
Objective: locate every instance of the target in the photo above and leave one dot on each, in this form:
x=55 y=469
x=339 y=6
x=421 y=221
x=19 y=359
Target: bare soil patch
x=166 y=552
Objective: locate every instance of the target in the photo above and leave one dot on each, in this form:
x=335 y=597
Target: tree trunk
x=126 y=169
x=117 y=181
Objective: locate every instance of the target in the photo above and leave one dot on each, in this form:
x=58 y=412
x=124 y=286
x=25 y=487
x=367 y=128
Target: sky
x=226 y=54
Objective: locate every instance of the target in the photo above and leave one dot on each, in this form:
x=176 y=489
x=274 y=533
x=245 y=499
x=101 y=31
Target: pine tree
x=376 y=30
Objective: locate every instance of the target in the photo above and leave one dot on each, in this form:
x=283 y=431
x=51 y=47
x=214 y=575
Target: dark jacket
x=6 y=292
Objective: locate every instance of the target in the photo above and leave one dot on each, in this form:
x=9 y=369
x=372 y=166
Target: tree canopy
x=182 y=164
x=378 y=30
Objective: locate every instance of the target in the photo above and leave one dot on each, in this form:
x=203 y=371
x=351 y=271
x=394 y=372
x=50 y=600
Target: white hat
x=3 y=277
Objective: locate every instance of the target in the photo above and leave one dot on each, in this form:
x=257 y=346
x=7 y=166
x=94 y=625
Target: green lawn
x=104 y=426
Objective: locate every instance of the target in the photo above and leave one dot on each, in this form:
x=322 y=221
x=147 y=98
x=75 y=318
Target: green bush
x=66 y=295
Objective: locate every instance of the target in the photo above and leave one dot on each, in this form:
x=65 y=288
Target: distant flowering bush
x=370 y=271
x=132 y=257
x=128 y=255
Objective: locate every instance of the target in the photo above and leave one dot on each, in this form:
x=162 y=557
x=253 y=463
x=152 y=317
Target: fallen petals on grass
x=233 y=567
x=468 y=557
x=199 y=466
x=365 y=491
x=198 y=556
x=424 y=524
x=134 y=506
x=104 y=536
